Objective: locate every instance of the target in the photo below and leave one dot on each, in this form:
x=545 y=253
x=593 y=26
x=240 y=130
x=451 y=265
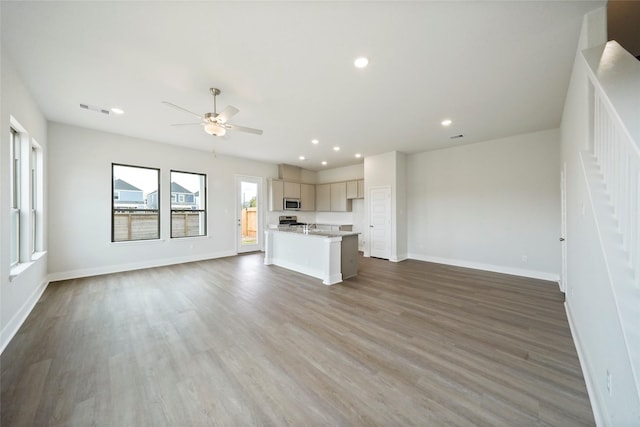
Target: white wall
x=19 y=295
x=399 y=200
x=487 y=205
x=80 y=201
x=590 y=301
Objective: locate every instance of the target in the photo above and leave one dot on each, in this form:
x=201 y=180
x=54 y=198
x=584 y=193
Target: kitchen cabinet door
x=276 y=193
x=323 y=197
x=352 y=189
x=361 y=189
x=291 y=190
x=308 y=197
x=339 y=197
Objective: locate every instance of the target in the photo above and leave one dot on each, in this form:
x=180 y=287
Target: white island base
x=331 y=257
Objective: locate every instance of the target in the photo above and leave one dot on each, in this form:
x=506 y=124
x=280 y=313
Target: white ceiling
x=495 y=68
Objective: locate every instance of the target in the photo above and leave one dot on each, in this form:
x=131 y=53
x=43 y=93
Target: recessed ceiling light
x=314 y=141
x=358 y=155
x=336 y=148
x=324 y=163
x=95 y=108
x=301 y=157
x=116 y=110
x=446 y=122
x=361 y=62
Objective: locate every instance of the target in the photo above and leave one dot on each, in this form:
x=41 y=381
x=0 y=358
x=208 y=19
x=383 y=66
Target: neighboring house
x=127 y=196
x=181 y=198
x=152 y=200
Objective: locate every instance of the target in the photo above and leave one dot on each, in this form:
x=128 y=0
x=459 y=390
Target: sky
x=248 y=191
x=147 y=179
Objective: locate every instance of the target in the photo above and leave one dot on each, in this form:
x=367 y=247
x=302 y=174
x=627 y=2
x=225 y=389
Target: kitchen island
x=328 y=255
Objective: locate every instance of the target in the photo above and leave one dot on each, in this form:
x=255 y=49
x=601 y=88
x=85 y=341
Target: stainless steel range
x=288 y=221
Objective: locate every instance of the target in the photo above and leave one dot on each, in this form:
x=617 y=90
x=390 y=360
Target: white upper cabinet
x=308 y=197
x=276 y=193
x=323 y=197
x=352 y=189
x=355 y=189
x=339 y=197
x=291 y=190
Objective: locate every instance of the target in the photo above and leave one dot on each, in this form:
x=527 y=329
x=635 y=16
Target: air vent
x=94 y=108
x=456 y=136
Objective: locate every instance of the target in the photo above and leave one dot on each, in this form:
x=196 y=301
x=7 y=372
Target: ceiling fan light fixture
x=214 y=129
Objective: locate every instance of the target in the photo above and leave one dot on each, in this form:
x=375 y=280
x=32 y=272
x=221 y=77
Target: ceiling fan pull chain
x=215 y=111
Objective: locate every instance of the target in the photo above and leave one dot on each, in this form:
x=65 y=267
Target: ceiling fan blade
x=227 y=113
x=177 y=107
x=243 y=129
x=185 y=124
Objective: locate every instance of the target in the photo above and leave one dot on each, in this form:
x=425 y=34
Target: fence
x=187 y=224
x=132 y=225
x=249 y=222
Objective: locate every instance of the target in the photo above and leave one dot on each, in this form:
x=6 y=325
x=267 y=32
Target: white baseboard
x=489 y=267
x=86 y=272
x=399 y=258
x=12 y=327
x=594 y=398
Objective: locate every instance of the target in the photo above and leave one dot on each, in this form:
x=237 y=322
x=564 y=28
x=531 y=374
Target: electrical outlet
x=609 y=382
x=525 y=258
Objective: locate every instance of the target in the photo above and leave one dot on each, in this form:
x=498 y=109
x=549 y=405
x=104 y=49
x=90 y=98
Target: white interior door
x=380 y=222
x=563 y=226
x=248 y=213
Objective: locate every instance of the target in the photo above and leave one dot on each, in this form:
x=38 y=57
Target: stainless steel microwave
x=291 y=204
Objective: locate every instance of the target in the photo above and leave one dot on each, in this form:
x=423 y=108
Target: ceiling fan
x=215 y=124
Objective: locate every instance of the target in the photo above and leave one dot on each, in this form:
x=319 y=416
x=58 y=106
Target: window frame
x=113 y=207
x=34 y=199
x=14 y=188
x=203 y=211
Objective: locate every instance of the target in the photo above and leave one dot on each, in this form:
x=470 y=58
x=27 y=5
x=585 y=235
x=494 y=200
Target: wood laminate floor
x=233 y=342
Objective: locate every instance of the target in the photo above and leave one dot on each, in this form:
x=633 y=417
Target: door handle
x=562 y=239
x=371 y=226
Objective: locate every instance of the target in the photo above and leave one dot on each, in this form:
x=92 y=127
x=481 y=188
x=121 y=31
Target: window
x=35 y=229
x=26 y=196
x=14 y=140
x=188 y=204
x=133 y=215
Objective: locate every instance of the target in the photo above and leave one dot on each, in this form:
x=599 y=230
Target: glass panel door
x=248 y=213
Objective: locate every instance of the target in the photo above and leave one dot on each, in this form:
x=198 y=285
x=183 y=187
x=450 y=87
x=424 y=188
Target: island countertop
x=328 y=255
x=314 y=232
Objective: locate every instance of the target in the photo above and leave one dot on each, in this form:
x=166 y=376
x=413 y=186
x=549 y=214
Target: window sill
x=17 y=269
x=137 y=242
x=180 y=239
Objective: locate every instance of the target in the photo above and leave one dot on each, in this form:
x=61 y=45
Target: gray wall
x=488 y=205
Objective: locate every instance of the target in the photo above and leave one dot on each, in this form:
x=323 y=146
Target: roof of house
x=177 y=188
x=119 y=184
